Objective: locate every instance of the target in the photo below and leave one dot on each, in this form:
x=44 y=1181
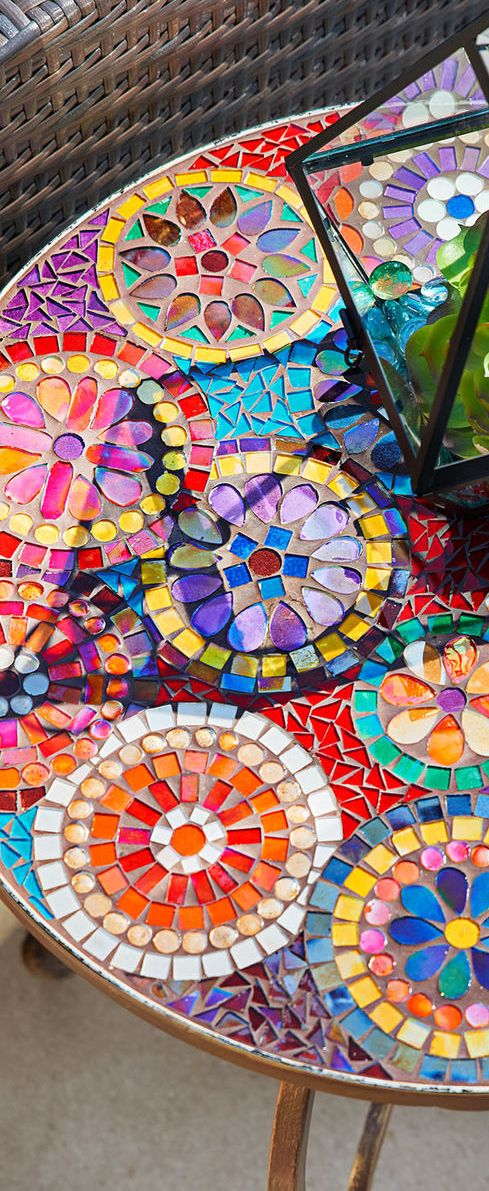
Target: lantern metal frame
x=427 y=477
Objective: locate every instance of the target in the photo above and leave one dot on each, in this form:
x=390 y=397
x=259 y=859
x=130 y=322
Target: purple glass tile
x=467 y=80
x=448 y=158
x=448 y=74
x=401 y=212
x=470 y=158
x=409 y=178
x=403 y=229
x=425 y=164
x=417 y=244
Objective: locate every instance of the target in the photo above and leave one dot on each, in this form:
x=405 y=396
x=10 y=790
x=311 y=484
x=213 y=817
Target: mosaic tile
x=213 y=264
x=282 y=572
x=266 y=550
x=97 y=437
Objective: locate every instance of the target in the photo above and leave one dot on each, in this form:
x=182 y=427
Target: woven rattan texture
x=94 y=93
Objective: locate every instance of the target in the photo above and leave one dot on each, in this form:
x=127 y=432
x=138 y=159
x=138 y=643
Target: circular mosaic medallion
x=92 y=450
x=422 y=705
x=213 y=264
x=59 y=652
x=408 y=936
x=282 y=571
x=188 y=845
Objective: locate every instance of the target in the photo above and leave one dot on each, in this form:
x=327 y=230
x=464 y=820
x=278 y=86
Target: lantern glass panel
x=403 y=197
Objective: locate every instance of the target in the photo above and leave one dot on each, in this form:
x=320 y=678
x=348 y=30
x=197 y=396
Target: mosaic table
x=244 y=674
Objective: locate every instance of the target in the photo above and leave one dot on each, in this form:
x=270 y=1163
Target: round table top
x=218 y=609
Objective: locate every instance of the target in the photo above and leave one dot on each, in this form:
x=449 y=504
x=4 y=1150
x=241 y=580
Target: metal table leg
x=290 y=1132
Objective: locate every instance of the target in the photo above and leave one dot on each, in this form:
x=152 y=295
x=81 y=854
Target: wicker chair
x=95 y=92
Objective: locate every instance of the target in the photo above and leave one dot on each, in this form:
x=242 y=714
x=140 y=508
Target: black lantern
x=398 y=193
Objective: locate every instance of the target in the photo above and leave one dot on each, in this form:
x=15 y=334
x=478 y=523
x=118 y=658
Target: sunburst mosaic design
x=213 y=264
x=402 y=929
x=94 y=445
x=190 y=846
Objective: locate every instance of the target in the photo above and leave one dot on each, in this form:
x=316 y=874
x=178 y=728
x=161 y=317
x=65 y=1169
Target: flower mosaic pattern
x=413 y=201
x=92 y=450
x=289 y=550
x=426 y=716
x=187 y=848
x=408 y=934
x=214 y=264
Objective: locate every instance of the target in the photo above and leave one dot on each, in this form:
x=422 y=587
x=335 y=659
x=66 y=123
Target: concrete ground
x=92 y=1097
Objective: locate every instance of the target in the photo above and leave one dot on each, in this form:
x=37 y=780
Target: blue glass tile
x=434 y=1069
x=237 y=576
x=459 y=804
x=464 y=1071
x=482 y=806
x=277 y=538
x=318 y=924
x=243 y=546
x=421 y=902
x=400 y=816
x=343 y=662
x=354 y=848
x=319 y=951
x=295 y=564
x=375 y=830
x=411 y=931
x=271 y=588
x=338 y=1000
x=336 y=870
x=357 y=1023
x=237 y=682
x=323 y=895
x=428 y=809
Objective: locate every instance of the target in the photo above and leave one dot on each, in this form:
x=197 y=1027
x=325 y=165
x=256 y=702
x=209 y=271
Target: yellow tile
x=386 y=1017
x=226 y=175
x=158 y=597
x=105 y=259
x=350 y=963
x=215 y=656
x=373 y=527
x=467 y=827
x=349 y=908
x=323 y=299
x=192 y=176
x=214 y=473
x=342 y=485
x=242 y=353
x=361 y=503
x=160 y=186
x=130 y=206
x=405 y=841
x=305 y=323
x=289 y=196
x=434 y=833
x=354 y=627
x=188 y=642
x=364 y=991
x=288 y=465
x=121 y=312
x=317 y=471
x=113 y=230
x=378 y=553
x=413 y=1033
x=148 y=336
x=344 y=934
x=260 y=181
x=380 y=858
x=446 y=1046
x=230 y=465
x=275 y=342
x=244 y=664
x=258 y=462
x=109 y=287
x=477 y=1043
x=274 y=664
x=210 y=355
x=377 y=578
x=360 y=881
x=175 y=345
x=368 y=602
x=330 y=646
x=169 y=621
